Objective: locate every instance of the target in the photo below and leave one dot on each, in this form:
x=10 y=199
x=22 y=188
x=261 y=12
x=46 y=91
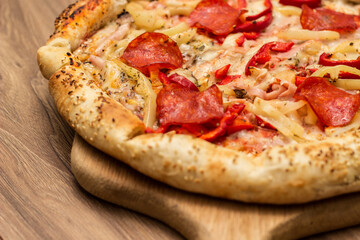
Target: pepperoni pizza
x=252 y=100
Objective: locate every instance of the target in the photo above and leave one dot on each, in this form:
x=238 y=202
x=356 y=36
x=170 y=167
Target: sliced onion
x=270 y=114
x=145 y=90
x=348 y=84
x=301 y=34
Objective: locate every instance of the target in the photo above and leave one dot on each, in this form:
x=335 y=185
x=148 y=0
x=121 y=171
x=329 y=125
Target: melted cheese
x=269 y=88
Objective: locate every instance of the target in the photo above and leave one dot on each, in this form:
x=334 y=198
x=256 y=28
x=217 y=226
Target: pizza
x=251 y=100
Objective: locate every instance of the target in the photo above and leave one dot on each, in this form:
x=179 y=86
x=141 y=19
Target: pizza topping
x=248 y=36
x=97 y=61
x=253 y=24
x=299 y=80
x=327 y=19
x=325 y=59
x=177 y=100
x=228 y=79
x=214 y=16
x=152 y=51
x=176 y=78
x=117 y=35
x=299 y=3
x=333 y=107
x=177 y=104
x=263 y=123
x=268 y=10
x=240 y=40
x=221 y=73
x=347 y=75
x=228 y=120
x=263 y=55
x=251 y=35
x=241 y=122
x=256 y=25
x=335 y=72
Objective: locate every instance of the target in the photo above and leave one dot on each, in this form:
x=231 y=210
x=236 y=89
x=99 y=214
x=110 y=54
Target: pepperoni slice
x=151 y=51
x=334 y=107
x=214 y=16
x=176 y=78
x=327 y=19
x=180 y=105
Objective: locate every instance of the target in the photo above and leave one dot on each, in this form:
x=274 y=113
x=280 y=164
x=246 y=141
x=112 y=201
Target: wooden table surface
x=39 y=197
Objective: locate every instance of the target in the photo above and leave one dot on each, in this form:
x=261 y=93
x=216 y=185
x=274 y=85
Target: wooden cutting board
x=202 y=217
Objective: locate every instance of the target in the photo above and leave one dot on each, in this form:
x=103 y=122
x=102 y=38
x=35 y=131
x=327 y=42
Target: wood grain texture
x=39 y=196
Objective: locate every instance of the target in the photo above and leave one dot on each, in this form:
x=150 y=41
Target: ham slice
x=97 y=61
x=119 y=34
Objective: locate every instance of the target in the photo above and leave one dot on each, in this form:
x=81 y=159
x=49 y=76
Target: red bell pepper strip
x=346 y=75
x=281 y=46
x=267 y=10
x=263 y=55
x=222 y=72
x=228 y=119
x=161 y=129
x=326 y=61
x=263 y=123
x=299 y=3
x=252 y=25
x=251 y=35
x=228 y=79
x=240 y=40
x=193 y=129
x=240 y=123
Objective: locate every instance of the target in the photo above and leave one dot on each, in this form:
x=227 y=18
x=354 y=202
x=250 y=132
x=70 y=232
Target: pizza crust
x=84 y=17
x=291 y=174
x=89 y=110
x=53 y=56
x=79 y=20
x=295 y=173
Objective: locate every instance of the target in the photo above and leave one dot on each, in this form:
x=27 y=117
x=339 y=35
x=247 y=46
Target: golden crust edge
x=294 y=173
x=76 y=22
